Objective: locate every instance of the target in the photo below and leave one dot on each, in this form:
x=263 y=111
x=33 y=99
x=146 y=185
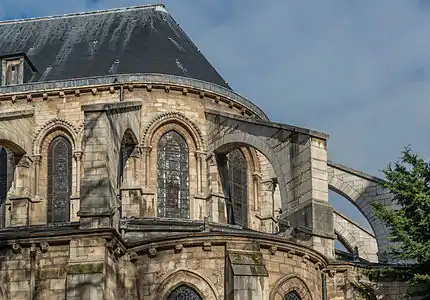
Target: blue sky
x=358 y=70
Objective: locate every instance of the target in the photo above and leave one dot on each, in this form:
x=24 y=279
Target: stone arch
x=175 y=118
x=56 y=125
x=346 y=242
x=236 y=140
x=198 y=282
x=348 y=191
x=151 y=141
x=290 y=283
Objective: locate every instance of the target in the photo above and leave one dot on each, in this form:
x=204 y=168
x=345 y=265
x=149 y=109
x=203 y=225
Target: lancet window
x=184 y=292
x=173 y=176
x=292 y=296
x=237 y=180
x=59 y=180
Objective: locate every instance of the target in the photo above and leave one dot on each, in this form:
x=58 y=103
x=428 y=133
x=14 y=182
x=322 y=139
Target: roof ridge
x=161 y=7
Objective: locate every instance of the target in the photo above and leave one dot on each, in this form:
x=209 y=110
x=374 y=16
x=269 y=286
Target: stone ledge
x=17 y=114
x=100 y=107
x=134 y=78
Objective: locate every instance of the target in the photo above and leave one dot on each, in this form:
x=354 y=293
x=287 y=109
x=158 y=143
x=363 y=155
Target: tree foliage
x=408 y=180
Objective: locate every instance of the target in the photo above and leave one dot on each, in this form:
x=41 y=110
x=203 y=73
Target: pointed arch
x=184 y=292
x=198 y=282
x=175 y=118
x=59 y=180
x=237 y=203
x=56 y=124
x=290 y=284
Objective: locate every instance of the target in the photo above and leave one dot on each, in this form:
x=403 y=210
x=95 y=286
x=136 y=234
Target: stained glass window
x=3 y=185
x=184 y=292
x=292 y=296
x=172 y=176
x=237 y=179
x=59 y=180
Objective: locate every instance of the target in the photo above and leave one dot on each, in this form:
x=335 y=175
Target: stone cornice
x=148 y=81
x=217 y=238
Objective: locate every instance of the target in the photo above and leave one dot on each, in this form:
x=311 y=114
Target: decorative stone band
x=151 y=79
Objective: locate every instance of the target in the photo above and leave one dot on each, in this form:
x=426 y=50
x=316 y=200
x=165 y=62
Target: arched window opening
x=292 y=296
x=124 y=154
x=7 y=169
x=184 y=292
x=237 y=189
x=3 y=185
x=59 y=180
x=173 y=176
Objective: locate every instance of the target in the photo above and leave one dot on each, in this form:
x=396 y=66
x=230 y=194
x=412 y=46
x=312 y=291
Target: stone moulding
x=54 y=124
x=174 y=82
x=169 y=117
x=204 y=240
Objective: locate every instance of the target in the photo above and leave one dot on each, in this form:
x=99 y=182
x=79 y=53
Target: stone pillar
x=78 y=157
x=246 y=274
x=98 y=185
x=307 y=208
x=36 y=162
x=20 y=195
x=266 y=209
x=216 y=206
x=92 y=269
x=146 y=151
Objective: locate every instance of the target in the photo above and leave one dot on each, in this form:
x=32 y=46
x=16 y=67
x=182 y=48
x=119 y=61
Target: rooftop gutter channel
x=149 y=78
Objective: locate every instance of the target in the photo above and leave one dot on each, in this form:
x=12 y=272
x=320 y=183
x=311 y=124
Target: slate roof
x=143 y=39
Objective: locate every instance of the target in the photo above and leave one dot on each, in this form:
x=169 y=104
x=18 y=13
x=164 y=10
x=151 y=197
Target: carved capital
x=146 y=150
x=37 y=159
x=78 y=155
x=268 y=186
x=200 y=154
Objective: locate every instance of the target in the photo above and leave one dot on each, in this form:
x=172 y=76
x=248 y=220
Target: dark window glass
x=292 y=296
x=237 y=179
x=59 y=180
x=3 y=185
x=184 y=292
x=172 y=176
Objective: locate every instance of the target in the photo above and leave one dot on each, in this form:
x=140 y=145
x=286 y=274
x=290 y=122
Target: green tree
x=409 y=182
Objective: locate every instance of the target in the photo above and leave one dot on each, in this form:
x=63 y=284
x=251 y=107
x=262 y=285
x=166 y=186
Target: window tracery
x=59 y=180
x=237 y=179
x=292 y=296
x=184 y=292
x=173 y=176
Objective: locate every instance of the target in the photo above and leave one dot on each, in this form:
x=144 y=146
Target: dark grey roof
x=144 y=39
